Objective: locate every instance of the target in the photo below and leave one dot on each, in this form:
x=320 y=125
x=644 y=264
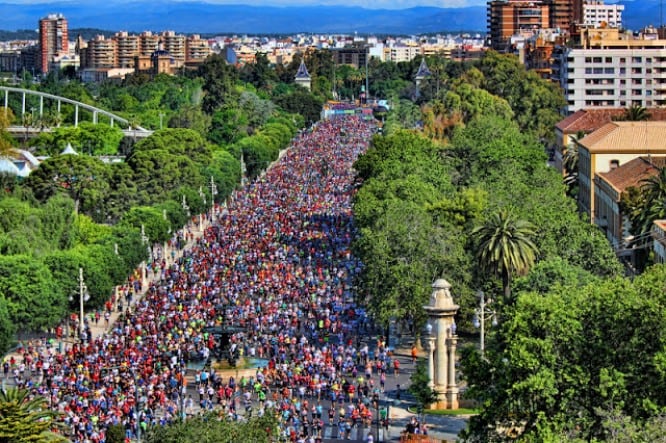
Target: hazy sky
x=374 y=4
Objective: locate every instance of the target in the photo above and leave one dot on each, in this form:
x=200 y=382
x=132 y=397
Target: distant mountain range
x=206 y=18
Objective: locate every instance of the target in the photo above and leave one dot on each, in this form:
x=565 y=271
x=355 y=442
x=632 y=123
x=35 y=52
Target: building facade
x=610 y=147
x=53 y=39
x=512 y=17
x=599 y=15
x=613 y=69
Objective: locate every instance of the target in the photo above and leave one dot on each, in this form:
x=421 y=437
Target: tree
x=634 y=113
x=505 y=247
x=211 y=428
x=571 y=360
x=301 y=102
x=34 y=299
x=83 y=178
x=219 y=83
x=420 y=387
x=24 y=418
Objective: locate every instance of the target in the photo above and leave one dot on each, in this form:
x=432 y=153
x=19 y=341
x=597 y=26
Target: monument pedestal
x=442 y=341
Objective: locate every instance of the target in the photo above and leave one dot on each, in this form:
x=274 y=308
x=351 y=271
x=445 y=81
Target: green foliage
x=115 y=434
x=219 y=80
x=228 y=126
x=505 y=247
x=301 y=102
x=84 y=179
x=34 y=300
x=152 y=219
x=576 y=358
x=7 y=327
x=26 y=418
x=535 y=102
x=420 y=386
x=213 y=429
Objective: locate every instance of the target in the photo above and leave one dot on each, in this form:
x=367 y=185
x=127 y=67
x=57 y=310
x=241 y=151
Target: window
x=596 y=60
x=609 y=59
x=614 y=164
x=623 y=60
x=623 y=71
x=636 y=92
x=588 y=59
x=636 y=59
x=609 y=71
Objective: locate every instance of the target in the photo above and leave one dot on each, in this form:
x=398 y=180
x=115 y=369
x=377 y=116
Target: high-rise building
x=53 y=39
x=174 y=44
x=613 y=69
x=507 y=18
x=196 y=49
x=512 y=17
x=100 y=53
x=598 y=14
x=127 y=46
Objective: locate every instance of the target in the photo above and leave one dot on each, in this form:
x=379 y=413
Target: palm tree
x=24 y=418
x=654 y=198
x=505 y=247
x=635 y=113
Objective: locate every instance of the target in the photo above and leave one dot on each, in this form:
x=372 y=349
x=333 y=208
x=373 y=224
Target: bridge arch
x=96 y=112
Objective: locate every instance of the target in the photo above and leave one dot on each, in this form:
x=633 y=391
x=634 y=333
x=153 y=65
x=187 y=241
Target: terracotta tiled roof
x=617 y=137
x=633 y=172
x=589 y=120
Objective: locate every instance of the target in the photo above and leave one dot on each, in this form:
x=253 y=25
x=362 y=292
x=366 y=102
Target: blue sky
x=374 y=4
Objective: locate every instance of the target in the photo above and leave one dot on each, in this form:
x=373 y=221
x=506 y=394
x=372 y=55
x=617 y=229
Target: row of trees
x=578 y=350
x=76 y=211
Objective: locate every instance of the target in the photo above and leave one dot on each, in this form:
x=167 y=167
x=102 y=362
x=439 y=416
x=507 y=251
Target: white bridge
x=128 y=129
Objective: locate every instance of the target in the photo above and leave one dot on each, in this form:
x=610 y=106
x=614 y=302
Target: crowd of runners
x=276 y=265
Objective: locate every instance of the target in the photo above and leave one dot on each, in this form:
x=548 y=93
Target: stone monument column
x=441 y=311
x=431 y=365
x=452 y=389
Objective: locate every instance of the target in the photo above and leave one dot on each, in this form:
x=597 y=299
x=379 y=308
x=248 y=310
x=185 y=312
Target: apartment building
x=196 y=49
x=512 y=17
x=99 y=52
x=127 y=47
x=126 y=51
x=596 y=14
x=53 y=39
x=613 y=69
x=401 y=53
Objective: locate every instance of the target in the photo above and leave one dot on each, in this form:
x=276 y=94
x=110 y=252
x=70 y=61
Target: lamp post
x=145 y=241
x=185 y=206
x=83 y=297
x=481 y=314
x=213 y=193
x=203 y=197
x=161 y=116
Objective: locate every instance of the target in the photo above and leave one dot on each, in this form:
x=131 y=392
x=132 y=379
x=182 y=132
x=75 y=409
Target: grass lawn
x=461 y=411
